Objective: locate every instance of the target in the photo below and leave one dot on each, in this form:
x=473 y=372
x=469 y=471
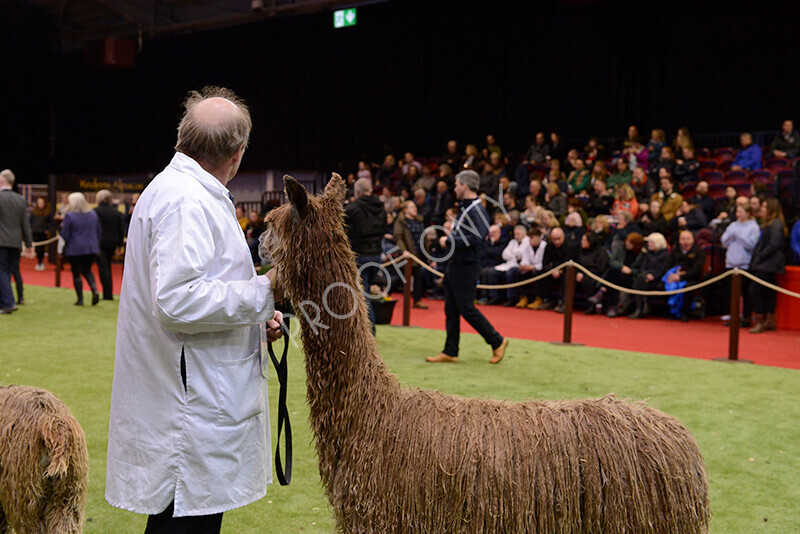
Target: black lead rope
x=284 y=476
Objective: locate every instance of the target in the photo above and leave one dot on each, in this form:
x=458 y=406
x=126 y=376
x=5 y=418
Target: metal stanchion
x=735 y=323
x=569 y=297
x=407 y=293
x=59 y=265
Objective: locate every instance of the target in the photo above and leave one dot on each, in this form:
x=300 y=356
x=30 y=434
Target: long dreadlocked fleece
x=399 y=459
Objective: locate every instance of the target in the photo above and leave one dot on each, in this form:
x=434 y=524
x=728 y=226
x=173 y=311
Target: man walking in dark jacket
x=366 y=223
x=463 y=270
x=14 y=229
x=112 y=223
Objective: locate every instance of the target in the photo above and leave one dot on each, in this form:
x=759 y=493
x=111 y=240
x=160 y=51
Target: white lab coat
x=534 y=257
x=189 y=284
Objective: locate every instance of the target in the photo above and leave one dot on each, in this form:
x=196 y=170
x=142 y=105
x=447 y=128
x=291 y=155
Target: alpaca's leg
x=4 y=526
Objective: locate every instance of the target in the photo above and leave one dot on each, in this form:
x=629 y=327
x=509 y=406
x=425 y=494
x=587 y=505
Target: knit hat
x=470 y=179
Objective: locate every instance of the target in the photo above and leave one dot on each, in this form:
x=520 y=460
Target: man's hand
x=626 y=270
x=525 y=268
x=579 y=277
x=277 y=292
x=274 y=330
x=443 y=241
x=674 y=277
x=649 y=277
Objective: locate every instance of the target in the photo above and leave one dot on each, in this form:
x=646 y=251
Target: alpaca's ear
x=336 y=190
x=297 y=195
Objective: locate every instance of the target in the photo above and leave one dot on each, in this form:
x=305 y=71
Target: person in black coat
x=647 y=271
x=766 y=263
x=690 y=260
x=491 y=255
x=112 y=224
x=365 y=219
x=595 y=258
x=558 y=251
x=441 y=201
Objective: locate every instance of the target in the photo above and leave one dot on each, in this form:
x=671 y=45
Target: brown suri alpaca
x=400 y=459
x=44 y=465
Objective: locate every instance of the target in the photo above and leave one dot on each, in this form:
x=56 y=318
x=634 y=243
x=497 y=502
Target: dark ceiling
x=82 y=21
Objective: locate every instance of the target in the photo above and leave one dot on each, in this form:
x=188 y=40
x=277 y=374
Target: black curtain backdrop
x=409 y=76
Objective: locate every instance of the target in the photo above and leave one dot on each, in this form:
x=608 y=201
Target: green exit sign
x=344 y=18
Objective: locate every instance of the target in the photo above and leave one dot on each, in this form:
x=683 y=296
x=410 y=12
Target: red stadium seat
x=703 y=153
x=708 y=164
x=713 y=177
x=765 y=175
x=734 y=177
x=779 y=163
x=730 y=152
x=717 y=190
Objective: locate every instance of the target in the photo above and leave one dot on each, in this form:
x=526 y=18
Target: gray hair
x=77 y=203
x=213 y=143
x=363 y=186
x=104 y=196
x=469 y=179
x=658 y=239
x=8 y=176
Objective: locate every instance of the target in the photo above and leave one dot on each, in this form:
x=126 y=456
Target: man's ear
x=297 y=195
x=336 y=190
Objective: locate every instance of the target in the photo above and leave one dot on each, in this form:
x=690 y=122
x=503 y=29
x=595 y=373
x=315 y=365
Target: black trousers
x=164 y=523
x=14 y=256
x=41 y=249
x=459 y=301
x=82 y=265
x=104 y=267
x=765 y=300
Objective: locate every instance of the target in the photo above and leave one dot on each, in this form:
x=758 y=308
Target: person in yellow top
x=242 y=218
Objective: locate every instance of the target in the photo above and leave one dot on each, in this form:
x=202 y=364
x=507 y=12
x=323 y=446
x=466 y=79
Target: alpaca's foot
x=442 y=358
x=499 y=352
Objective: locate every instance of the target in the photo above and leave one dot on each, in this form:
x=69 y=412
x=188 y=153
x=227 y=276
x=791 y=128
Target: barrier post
x=569 y=298
x=59 y=264
x=735 y=323
x=407 y=293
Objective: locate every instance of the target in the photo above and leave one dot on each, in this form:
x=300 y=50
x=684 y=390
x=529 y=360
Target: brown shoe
x=442 y=358
x=758 y=325
x=499 y=352
x=420 y=305
x=769 y=322
x=535 y=305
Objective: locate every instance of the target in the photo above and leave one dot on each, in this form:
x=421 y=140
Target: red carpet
x=706 y=339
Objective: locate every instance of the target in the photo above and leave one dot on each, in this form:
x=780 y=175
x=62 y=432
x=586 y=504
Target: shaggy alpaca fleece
x=396 y=459
x=44 y=465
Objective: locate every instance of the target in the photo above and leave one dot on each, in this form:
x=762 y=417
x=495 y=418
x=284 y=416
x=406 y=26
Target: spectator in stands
x=492 y=146
x=423 y=208
x=408 y=230
x=81 y=232
x=594 y=151
x=602 y=229
x=702 y=199
x=600 y=201
x=690 y=260
x=241 y=217
x=535 y=189
x=653 y=221
x=364 y=171
x=410 y=161
x=409 y=179
x=658 y=140
x=508 y=270
x=624 y=254
x=666 y=160
x=471 y=157
x=557 y=149
x=555 y=200
x=647 y=271
x=554 y=174
x=643 y=187
x=490 y=183
x=426 y=182
x=510 y=203
x=557 y=252
x=786 y=143
x=683 y=139
x=41 y=221
x=622 y=176
x=441 y=201
x=632 y=139
x=451 y=157
x=724 y=207
x=625 y=201
x=749 y=157
x=766 y=263
x=548 y=222
x=388 y=173
x=350 y=181
x=755 y=206
x=366 y=220
x=112 y=224
x=539 y=151
x=530 y=215
x=636 y=155
x=446 y=174
x=574 y=228
x=490 y=255
x=740 y=238
x=579 y=179
x=690 y=217
x=594 y=257
x=599 y=172
x=255 y=227
x=568 y=164
x=530 y=265
x=667 y=197
x=687 y=167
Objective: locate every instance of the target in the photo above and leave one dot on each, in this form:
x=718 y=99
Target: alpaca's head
x=303 y=236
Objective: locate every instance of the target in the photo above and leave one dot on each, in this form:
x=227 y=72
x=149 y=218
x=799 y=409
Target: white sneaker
x=39 y=267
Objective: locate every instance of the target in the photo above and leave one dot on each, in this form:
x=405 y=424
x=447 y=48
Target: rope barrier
x=600 y=280
x=45 y=242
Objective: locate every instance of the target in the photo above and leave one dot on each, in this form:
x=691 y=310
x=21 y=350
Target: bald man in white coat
x=189 y=433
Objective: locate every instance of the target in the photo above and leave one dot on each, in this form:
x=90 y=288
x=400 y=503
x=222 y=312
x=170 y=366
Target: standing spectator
x=112 y=224
x=658 y=140
x=41 y=221
x=451 y=157
x=622 y=176
x=687 y=167
x=647 y=271
x=189 y=430
x=509 y=269
x=463 y=270
x=365 y=219
x=749 y=157
x=408 y=230
x=669 y=199
x=740 y=238
x=689 y=259
x=82 y=233
x=767 y=263
x=14 y=230
x=786 y=143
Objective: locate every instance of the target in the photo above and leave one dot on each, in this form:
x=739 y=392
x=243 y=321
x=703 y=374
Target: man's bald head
x=215 y=125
